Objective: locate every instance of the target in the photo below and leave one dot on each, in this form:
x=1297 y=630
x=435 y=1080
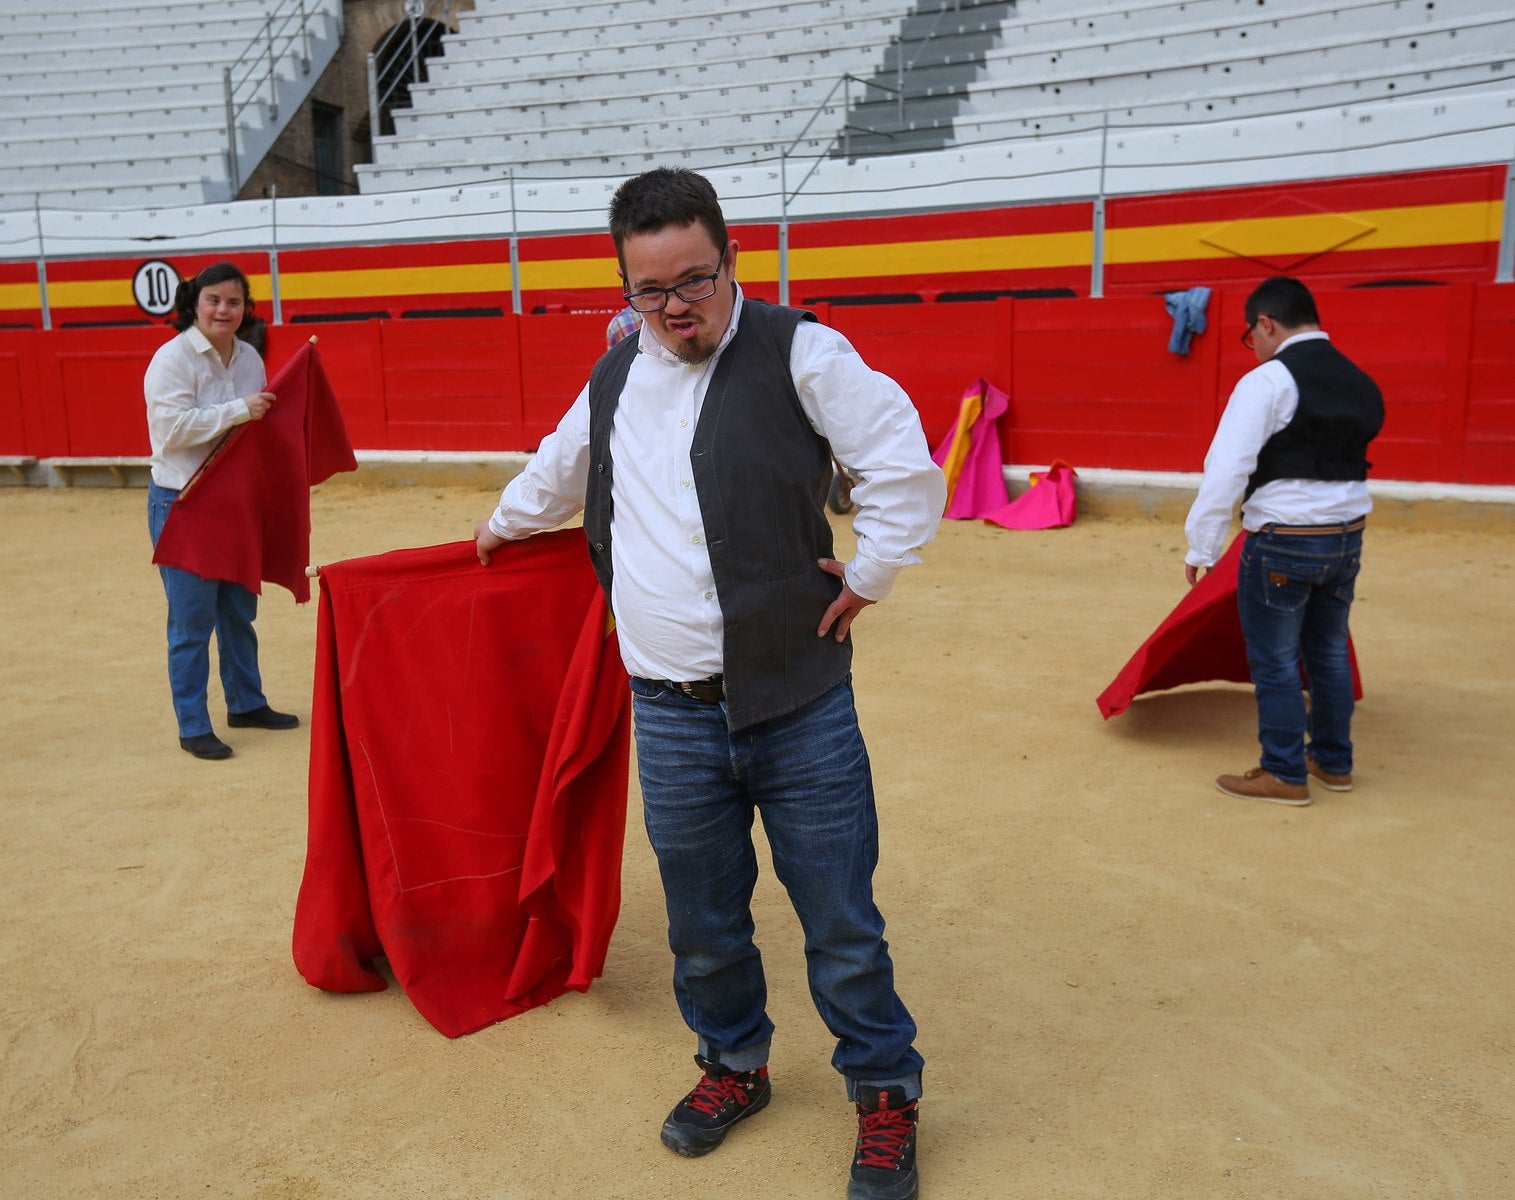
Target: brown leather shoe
x=1258 y=784
x=1335 y=783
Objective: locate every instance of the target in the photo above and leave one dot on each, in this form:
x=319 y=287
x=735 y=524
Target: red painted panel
x=932 y=351
x=1096 y=384
x=397 y=254
x=996 y=222
x=352 y=357
x=453 y=384
x=1489 y=439
x=1489 y=463
x=99 y=372
x=1454 y=186
x=557 y=352
x=36 y=422
x=18 y=372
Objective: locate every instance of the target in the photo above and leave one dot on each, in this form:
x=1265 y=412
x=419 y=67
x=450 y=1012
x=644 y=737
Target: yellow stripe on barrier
x=20 y=296
x=1293 y=236
x=945 y=256
x=1308 y=233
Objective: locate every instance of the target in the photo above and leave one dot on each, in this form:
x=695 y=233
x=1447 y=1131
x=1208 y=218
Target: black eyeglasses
x=701 y=287
x=1246 y=334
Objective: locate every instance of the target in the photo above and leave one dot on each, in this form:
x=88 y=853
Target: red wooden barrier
x=1091 y=381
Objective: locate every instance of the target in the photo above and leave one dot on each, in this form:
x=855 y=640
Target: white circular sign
x=154 y=286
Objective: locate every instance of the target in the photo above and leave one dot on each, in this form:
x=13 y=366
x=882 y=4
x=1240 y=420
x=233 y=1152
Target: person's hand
x=487 y=540
x=258 y=404
x=1191 y=573
x=845 y=607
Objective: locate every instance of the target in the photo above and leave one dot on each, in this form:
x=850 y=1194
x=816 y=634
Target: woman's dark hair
x=187 y=297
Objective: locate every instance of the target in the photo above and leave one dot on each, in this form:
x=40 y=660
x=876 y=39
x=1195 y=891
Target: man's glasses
x=1246 y=335
x=701 y=287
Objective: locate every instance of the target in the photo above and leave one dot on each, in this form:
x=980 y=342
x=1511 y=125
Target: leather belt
x=1315 y=530
x=711 y=689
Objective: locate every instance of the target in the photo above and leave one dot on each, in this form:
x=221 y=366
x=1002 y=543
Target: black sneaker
x=205 y=745
x=263 y=718
x=698 y=1122
x=883 y=1166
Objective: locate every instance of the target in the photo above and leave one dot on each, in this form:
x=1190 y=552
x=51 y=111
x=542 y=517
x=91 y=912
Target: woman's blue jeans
x=196 y=607
x=807 y=774
x=1293 y=594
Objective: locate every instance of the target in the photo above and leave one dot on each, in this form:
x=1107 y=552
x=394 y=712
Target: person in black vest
x=700 y=453
x=1292 y=446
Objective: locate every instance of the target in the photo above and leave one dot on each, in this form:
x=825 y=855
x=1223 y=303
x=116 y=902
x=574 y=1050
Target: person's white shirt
x=668 y=618
x=1261 y=404
x=192 y=399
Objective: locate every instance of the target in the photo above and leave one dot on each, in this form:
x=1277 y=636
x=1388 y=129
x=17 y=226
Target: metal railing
x=399 y=58
x=253 y=75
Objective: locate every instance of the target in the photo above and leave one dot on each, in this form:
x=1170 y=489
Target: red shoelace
x=883 y=1136
x=712 y=1095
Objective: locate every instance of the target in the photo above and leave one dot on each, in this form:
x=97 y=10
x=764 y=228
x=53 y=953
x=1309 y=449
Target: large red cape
x=1200 y=641
x=468 y=762
x=245 y=516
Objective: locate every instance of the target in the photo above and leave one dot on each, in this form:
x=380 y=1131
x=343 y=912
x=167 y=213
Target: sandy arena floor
x=1128 y=985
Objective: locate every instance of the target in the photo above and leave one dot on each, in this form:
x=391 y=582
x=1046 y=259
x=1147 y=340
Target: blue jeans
x=196 y=607
x=807 y=773
x=1294 y=593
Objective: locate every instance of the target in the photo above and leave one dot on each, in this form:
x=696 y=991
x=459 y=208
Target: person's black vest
x=1340 y=411
x=761 y=473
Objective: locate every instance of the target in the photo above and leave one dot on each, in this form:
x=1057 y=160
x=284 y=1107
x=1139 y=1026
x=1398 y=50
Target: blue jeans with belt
x=196 y=607
x=807 y=774
x=1293 y=593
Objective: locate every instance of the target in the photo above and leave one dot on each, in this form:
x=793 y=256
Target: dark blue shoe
x=262 y=718
x=205 y=745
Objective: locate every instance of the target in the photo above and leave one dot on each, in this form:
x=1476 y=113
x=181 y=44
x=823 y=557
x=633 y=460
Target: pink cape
x=245 y=516
x=1049 y=503
x=1200 y=641
x=468 y=761
x=970 y=455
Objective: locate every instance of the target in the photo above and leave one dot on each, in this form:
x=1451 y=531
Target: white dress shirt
x=1262 y=403
x=668 y=617
x=192 y=399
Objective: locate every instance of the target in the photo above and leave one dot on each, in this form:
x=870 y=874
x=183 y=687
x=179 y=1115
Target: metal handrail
x=397 y=45
x=287 y=25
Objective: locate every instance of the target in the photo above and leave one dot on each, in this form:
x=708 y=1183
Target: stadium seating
x=1214 y=58
x=612 y=87
x=111 y=104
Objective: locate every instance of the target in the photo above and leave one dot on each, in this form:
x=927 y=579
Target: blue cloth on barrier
x=1188 y=312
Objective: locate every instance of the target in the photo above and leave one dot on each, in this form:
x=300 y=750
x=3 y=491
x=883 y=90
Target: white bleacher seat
x=604 y=87
x=1158 y=83
x=112 y=103
x=589 y=86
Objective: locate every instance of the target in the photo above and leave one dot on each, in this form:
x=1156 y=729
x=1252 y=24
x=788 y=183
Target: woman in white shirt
x=198 y=387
